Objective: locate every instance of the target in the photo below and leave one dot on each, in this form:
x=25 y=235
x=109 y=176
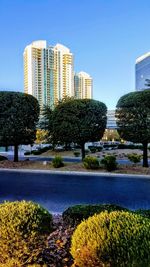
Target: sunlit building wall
x=83 y=85
x=142 y=71
x=48 y=72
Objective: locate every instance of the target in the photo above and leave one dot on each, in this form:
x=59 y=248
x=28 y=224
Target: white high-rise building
x=48 y=72
x=83 y=85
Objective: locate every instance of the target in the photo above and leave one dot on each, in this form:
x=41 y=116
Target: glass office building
x=142 y=71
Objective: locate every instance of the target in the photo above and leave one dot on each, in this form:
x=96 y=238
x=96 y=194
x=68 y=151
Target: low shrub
x=99 y=148
x=92 y=149
x=87 y=151
x=91 y=163
x=76 y=153
x=3 y=158
x=27 y=153
x=57 y=162
x=135 y=158
x=23 y=230
x=36 y=152
x=132 y=146
x=145 y=213
x=75 y=214
x=116 y=239
x=109 y=162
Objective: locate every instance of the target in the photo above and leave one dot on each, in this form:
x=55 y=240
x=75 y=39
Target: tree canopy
x=133 y=119
x=19 y=114
x=78 y=121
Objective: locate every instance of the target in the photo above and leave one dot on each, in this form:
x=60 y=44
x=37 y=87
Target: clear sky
x=105 y=36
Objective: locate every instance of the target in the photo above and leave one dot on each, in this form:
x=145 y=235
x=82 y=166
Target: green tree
x=78 y=121
x=133 y=119
x=46 y=123
x=19 y=114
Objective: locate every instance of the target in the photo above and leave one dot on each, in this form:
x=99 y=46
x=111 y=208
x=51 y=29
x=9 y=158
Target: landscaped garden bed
x=127 y=169
x=83 y=236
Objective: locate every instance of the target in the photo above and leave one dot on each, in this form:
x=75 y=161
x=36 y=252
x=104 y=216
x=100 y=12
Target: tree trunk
x=82 y=151
x=16 y=153
x=145 y=157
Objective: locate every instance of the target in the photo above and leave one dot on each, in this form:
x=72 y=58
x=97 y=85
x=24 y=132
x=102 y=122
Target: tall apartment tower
x=48 y=72
x=142 y=71
x=83 y=85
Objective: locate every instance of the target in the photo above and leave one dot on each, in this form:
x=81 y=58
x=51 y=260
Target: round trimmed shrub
x=26 y=153
x=109 y=162
x=23 y=230
x=116 y=239
x=135 y=158
x=75 y=214
x=57 y=162
x=91 y=163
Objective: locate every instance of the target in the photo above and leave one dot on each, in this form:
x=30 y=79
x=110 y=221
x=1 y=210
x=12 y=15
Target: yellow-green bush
x=115 y=239
x=134 y=157
x=23 y=229
x=109 y=162
x=57 y=162
x=91 y=163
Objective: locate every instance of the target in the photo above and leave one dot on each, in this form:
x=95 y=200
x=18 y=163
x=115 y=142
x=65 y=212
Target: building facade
x=83 y=85
x=142 y=71
x=111 y=120
x=48 y=72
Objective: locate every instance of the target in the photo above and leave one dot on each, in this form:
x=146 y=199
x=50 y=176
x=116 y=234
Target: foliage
x=87 y=151
x=46 y=123
x=41 y=150
x=26 y=153
x=135 y=158
x=92 y=149
x=116 y=239
x=19 y=114
x=41 y=136
x=91 y=163
x=109 y=162
x=75 y=214
x=78 y=121
x=132 y=146
x=3 y=158
x=145 y=213
x=36 y=152
x=76 y=153
x=133 y=119
x=23 y=227
x=57 y=162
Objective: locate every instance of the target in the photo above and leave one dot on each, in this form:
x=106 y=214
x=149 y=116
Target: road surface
x=56 y=191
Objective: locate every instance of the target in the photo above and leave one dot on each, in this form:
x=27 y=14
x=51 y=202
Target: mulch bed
x=57 y=252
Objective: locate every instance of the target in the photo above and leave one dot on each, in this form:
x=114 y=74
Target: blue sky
x=105 y=36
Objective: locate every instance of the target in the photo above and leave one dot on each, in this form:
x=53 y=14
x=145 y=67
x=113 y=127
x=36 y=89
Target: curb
x=77 y=173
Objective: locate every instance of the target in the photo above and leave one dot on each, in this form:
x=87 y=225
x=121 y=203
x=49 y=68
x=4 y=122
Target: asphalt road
x=56 y=192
